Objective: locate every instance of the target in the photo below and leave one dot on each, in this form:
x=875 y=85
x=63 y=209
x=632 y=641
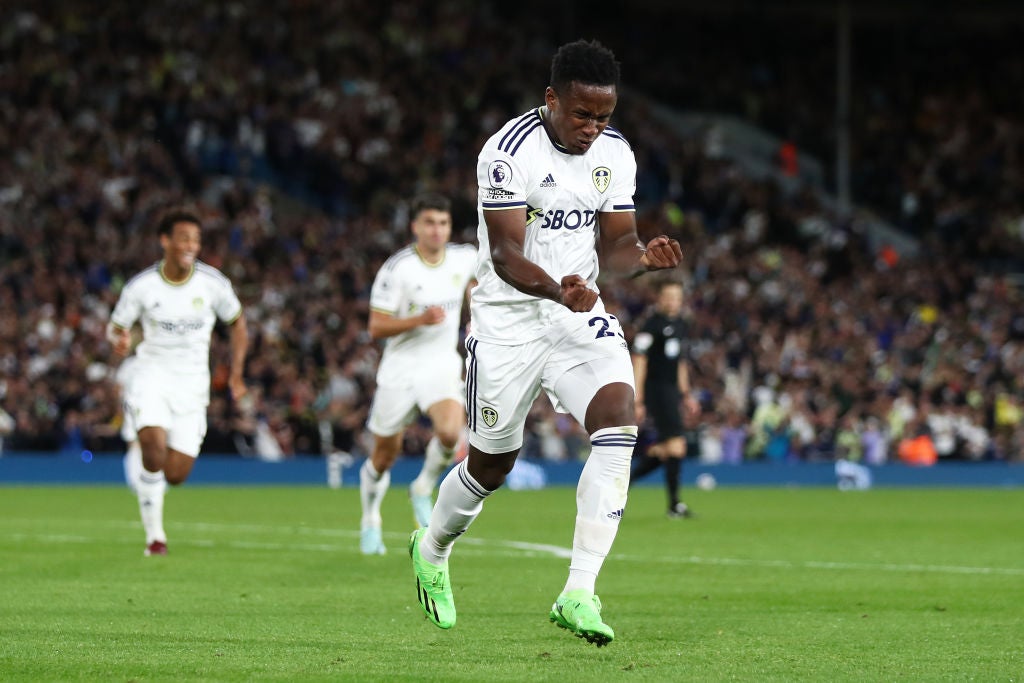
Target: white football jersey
x=177 y=320
x=522 y=166
x=405 y=286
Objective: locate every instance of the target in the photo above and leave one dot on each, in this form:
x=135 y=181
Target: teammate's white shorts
x=397 y=402
x=148 y=405
x=571 y=362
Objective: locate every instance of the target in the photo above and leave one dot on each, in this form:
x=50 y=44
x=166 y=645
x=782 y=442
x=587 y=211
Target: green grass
x=268 y=584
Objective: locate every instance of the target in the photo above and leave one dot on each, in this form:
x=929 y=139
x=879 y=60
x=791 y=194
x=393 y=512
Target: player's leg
x=133 y=454
x=148 y=418
x=132 y=463
x=179 y=466
x=448 y=417
x=440 y=395
x=460 y=498
x=599 y=394
x=501 y=384
x=394 y=407
x=151 y=486
x=600 y=502
x=180 y=447
x=374 y=481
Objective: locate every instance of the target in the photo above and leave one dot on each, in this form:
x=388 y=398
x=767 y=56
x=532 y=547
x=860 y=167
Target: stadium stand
x=298 y=128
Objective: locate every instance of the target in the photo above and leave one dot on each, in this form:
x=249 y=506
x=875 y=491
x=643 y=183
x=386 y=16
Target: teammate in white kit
x=177 y=301
x=416 y=305
x=555 y=191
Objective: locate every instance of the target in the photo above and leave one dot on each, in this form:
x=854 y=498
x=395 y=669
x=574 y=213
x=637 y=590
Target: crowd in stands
x=936 y=126
x=300 y=130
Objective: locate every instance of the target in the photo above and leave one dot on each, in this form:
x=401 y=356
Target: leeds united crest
x=490 y=416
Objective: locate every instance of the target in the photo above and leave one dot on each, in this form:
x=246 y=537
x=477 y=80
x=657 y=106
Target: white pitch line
x=532 y=548
x=816 y=564
x=523 y=548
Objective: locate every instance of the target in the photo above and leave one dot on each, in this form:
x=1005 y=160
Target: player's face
x=181 y=247
x=577 y=117
x=432 y=229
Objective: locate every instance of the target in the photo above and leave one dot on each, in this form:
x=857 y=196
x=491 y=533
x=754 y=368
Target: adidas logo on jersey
x=549 y=181
x=617 y=515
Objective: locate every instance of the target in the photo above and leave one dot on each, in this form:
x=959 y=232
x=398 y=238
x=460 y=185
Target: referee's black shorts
x=663 y=405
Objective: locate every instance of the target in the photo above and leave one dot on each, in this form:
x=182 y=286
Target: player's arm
x=506 y=232
x=126 y=312
x=120 y=338
x=239 y=341
x=467 y=297
x=383 y=325
x=624 y=254
x=468 y=292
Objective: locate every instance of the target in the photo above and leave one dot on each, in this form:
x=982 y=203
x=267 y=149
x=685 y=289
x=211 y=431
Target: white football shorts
x=579 y=354
x=147 y=405
x=397 y=403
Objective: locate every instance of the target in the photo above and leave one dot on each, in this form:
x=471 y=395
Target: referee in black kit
x=660 y=351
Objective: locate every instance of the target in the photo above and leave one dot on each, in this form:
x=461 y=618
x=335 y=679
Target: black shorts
x=663 y=409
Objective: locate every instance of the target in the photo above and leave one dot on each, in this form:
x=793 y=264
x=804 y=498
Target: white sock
x=600 y=502
x=150 y=487
x=372 y=487
x=459 y=500
x=133 y=465
x=435 y=462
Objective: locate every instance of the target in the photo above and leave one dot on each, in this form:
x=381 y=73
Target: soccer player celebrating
x=416 y=305
x=178 y=301
x=555 y=191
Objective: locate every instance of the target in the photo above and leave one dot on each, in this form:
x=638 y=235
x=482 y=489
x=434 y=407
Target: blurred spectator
x=299 y=127
x=918 y=450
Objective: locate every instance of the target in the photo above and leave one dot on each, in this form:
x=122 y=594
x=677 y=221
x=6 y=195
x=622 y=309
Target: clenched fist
x=432 y=315
x=576 y=296
x=662 y=252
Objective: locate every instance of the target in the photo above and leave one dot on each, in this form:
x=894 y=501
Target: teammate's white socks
x=372 y=487
x=435 y=462
x=600 y=501
x=459 y=500
x=150 y=487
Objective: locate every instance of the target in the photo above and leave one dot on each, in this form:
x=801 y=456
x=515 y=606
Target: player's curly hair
x=583 y=61
x=174 y=216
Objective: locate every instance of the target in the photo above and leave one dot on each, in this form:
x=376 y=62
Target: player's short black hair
x=583 y=61
x=174 y=216
x=430 y=200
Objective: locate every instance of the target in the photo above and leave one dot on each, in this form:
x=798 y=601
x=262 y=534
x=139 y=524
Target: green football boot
x=579 y=611
x=433 y=588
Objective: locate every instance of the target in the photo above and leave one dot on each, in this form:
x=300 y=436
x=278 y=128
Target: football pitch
x=268 y=584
